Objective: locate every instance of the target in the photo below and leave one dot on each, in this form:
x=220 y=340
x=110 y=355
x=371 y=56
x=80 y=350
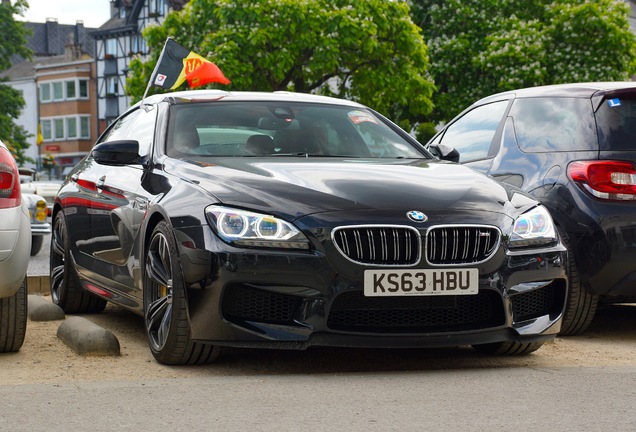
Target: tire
x=66 y=291
x=508 y=348
x=165 y=305
x=36 y=244
x=580 y=305
x=13 y=320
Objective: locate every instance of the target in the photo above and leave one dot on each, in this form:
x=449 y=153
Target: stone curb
x=41 y=309
x=87 y=338
x=81 y=335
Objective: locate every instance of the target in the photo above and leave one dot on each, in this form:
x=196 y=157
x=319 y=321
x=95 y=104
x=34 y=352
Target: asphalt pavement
x=39 y=264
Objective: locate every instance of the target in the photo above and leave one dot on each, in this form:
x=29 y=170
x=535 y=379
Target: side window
x=119 y=130
x=472 y=134
x=138 y=125
x=143 y=130
x=554 y=124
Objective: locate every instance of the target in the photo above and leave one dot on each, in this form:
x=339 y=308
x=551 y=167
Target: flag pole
x=154 y=72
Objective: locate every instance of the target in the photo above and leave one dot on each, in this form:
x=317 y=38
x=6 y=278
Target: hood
x=298 y=187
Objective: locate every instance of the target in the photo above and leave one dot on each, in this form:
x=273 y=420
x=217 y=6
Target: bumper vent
x=547 y=300
x=352 y=311
x=244 y=303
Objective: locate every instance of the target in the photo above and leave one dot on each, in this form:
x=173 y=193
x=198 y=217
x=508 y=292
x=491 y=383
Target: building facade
x=117 y=42
x=58 y=86
x=67 y=108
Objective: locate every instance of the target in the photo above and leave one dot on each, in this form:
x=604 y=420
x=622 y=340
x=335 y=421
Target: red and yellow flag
x=177 y=64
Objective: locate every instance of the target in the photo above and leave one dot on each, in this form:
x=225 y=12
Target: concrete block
x=87 y=338
x=41 y=309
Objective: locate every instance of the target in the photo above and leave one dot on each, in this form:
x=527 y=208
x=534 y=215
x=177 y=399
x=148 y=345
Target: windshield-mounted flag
x=177 y=64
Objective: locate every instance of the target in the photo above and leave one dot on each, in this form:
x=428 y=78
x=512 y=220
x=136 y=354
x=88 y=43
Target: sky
x=94 y=13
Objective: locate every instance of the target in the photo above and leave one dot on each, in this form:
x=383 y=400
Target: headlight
x=244 y=228
x=533 y=228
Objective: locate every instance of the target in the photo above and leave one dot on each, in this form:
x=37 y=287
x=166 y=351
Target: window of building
x=58 y=126
x=66 y=128
x=45 y=92
x=85 y=122
x=112 y=86
x=71 y=127
x=137 y=44
x=47 y=134
x=83 y=88
x=155 y=7
x=71 y=90
x=58 y=91
x=111 y=47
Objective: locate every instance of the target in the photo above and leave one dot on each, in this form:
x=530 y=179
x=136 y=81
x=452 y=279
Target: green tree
x=13 y=41
x=480 y=47
x=369 y=51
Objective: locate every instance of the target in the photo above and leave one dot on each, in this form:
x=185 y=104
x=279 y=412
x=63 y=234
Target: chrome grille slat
x=379 y=245
x=401 y=245
x=477 y=243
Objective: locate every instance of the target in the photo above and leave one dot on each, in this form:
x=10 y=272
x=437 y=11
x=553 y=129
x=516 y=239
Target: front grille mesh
x=352 y=311
x=400 y=245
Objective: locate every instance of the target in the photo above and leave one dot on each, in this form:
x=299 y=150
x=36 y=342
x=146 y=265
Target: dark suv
x=572 y=146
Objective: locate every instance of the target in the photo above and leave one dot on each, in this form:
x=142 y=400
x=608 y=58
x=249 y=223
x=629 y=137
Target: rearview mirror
x=444 y=152
x=121 y=152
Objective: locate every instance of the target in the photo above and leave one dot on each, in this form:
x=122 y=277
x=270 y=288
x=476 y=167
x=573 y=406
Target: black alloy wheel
x=165 y=305
x=66 y=291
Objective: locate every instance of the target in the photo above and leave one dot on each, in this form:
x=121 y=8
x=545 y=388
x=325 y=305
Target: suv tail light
x=9 y=180
x=612 y=180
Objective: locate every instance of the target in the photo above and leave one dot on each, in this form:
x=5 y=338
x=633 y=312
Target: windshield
x=272 y=129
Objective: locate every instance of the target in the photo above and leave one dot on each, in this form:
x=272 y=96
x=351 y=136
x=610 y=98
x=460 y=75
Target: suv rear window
x=554 y=124
x=616 y=119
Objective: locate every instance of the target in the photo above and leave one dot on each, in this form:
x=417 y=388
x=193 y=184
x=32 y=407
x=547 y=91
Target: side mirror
x=121 y=152
x=444 y=152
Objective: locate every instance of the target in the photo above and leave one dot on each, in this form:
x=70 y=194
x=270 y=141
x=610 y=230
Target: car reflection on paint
x=285 y=220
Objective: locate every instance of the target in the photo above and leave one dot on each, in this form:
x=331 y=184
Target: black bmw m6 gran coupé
x=286 y=220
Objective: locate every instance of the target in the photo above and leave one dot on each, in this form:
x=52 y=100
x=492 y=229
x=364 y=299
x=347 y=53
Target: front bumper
x=40 y=228
x=294 y=300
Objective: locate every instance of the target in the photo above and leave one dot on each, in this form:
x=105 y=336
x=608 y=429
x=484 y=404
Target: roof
x=218 y=95
x=27 y=69
x=583 y=90
x=21 y=71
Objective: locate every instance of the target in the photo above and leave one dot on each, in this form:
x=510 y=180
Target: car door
x=119 y=205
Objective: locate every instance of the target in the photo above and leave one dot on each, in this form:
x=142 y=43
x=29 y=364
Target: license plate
x=429 y=282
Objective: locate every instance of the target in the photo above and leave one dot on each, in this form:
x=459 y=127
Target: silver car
x=15 y=248
x=38 y=211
